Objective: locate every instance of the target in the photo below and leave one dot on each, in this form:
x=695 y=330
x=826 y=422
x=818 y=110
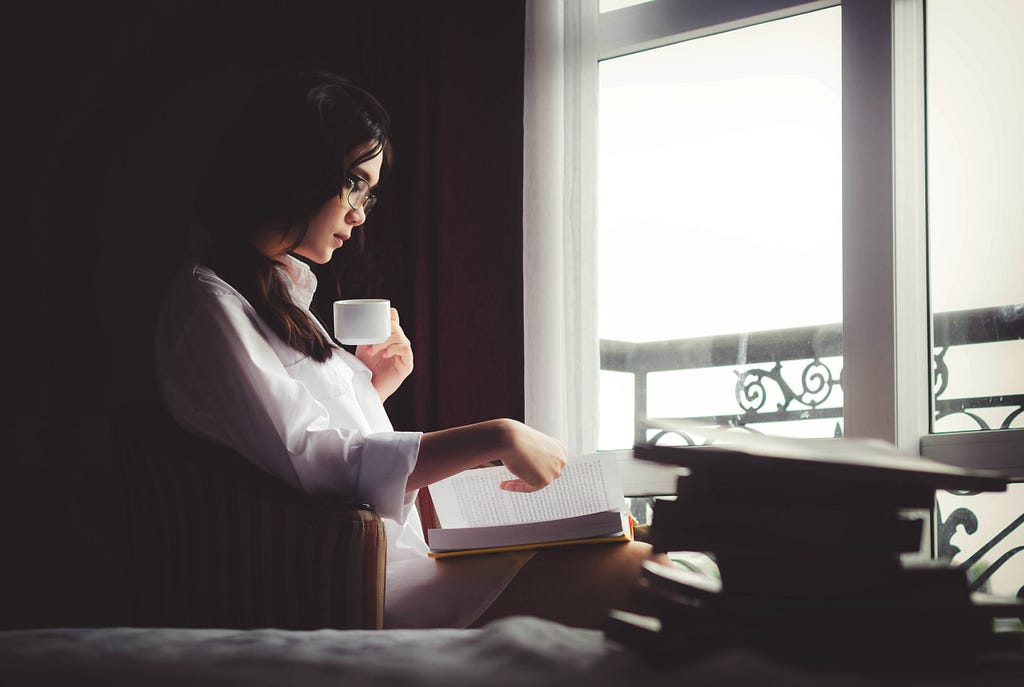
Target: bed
x=512 y=651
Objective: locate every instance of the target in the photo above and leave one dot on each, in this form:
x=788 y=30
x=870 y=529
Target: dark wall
x=116 y=108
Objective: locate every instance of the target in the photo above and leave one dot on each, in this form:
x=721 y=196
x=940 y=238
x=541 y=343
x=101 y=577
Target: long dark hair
x=285 y=156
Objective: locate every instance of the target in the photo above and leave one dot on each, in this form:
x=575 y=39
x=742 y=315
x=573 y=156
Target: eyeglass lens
x=359 y=195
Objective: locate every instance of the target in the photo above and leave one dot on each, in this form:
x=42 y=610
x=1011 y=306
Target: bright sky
x=975 y=147
x=720 y=183
x=720 y=174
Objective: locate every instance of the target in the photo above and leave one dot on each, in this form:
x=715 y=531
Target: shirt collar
x=300 y=278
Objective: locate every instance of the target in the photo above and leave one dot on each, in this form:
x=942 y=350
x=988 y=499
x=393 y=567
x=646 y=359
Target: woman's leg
x=573 y=585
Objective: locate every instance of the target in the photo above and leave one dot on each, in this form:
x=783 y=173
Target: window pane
x=612 y=5
x=975 y=110
x=719 y=229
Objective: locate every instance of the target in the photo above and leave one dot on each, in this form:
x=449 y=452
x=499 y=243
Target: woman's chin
x=318 y=258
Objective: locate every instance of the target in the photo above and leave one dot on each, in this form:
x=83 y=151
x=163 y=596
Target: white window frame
x=886 y=324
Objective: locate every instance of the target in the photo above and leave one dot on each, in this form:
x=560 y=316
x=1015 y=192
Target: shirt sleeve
x=223 y=380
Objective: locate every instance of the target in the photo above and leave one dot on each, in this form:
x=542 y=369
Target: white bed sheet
x=514 y=651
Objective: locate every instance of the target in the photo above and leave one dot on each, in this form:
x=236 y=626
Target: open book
x=584 y=505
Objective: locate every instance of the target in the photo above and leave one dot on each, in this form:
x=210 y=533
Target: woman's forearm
x=450 y=451
x=534 y=458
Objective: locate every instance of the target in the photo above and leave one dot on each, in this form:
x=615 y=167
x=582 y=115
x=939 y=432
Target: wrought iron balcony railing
x=759 y=360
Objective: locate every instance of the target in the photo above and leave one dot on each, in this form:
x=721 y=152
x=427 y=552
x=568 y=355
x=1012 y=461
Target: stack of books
x=813 y=542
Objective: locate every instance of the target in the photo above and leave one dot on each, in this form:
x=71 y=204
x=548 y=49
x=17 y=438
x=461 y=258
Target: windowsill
x=1000 y=450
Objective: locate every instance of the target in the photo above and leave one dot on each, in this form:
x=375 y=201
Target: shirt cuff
x=387 y=461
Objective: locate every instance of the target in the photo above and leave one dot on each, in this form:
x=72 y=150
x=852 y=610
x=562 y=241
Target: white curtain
x=559 y=256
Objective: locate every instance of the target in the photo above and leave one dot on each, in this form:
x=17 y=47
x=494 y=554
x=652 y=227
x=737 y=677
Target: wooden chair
x=213 y=541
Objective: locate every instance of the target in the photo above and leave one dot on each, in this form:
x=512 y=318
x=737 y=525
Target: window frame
x=1001 y=450
x=886 y=321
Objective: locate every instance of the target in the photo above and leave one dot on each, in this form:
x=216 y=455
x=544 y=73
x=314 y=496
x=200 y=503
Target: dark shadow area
x=116 y=106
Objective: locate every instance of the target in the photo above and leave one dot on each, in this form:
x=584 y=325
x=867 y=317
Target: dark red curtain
x=116 y=106
x=446 y=242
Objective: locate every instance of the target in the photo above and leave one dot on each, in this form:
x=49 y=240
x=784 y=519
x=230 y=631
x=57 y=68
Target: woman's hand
x=535 y=458
x=390 y=361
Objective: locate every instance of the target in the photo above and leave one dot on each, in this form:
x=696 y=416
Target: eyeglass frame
x=352 y=184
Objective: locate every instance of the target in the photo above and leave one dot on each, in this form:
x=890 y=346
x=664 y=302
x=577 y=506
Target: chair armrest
x=216 y=542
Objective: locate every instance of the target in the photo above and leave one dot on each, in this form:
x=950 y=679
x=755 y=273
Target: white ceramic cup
x=361 y=321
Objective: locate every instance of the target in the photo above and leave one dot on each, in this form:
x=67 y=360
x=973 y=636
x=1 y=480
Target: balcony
x=795 y=376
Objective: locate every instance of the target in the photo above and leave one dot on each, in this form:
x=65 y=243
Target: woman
x=243 y=361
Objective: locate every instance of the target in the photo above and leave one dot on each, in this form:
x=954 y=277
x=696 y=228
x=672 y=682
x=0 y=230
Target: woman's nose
x=357 y=216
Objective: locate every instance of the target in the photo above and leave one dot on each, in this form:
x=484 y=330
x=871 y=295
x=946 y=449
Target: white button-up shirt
x=320 y=427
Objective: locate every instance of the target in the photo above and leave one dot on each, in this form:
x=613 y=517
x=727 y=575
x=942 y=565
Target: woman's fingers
x=402 y=349
x=517 y=485
x=397 y=338
x=390 y=361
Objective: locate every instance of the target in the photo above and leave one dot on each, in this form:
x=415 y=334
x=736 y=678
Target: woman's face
x=332 y=225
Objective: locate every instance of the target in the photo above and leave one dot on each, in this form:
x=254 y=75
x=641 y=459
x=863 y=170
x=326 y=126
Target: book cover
x=809 y=466
x=699 y=525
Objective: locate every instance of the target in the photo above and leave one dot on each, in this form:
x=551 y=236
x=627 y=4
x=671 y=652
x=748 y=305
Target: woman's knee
x=575 y=585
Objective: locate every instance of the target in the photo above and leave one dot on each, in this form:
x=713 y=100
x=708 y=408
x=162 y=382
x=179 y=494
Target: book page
x=589 y=484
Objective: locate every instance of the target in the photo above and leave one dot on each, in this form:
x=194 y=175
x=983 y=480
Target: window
x=974 y=107
x=976 y=211
x=719 y=231
x=886 y=331
x=906 y=186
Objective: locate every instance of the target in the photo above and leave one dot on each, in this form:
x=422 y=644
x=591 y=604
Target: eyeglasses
x=358 y=194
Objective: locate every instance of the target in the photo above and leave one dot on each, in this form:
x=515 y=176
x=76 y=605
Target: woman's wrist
x=450 y=451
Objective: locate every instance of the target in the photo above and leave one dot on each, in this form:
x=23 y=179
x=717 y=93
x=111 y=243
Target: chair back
x=214 y=541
